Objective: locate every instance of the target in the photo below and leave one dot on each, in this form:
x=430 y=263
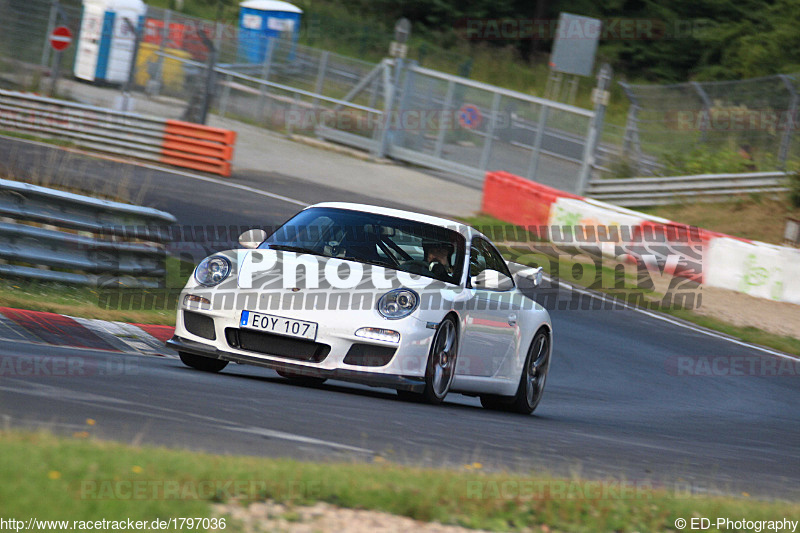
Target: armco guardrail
x=55 y=235
x=171 y=142
x=636 y=192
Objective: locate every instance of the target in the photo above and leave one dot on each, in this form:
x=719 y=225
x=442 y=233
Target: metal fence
x=53 y=235
x=460 y=125
x=25 y=55
x=397 y=108
x=752 y=119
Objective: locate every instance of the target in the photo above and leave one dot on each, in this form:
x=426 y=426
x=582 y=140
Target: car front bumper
x=375 y=379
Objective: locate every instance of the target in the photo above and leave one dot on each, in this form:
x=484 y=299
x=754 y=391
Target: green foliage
x=675 y=41
x=794 y=188
x=703 y=160
x=706 y=39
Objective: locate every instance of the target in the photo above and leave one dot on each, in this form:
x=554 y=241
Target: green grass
x=93 y=302
x=81 y=478
x=608 y=281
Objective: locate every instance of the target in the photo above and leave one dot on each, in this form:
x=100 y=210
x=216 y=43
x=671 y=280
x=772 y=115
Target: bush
x=794 y=188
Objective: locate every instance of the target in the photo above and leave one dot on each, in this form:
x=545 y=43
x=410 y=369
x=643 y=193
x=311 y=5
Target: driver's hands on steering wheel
x=438 y=270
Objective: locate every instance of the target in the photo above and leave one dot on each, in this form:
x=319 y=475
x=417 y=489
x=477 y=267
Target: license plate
x=279 y=325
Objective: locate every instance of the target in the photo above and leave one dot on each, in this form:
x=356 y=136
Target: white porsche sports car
x=372 y=295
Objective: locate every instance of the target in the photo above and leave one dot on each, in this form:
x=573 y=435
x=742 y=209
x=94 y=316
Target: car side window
x=483 y=256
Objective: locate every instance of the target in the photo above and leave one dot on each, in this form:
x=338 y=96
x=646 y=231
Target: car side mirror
x=492 y=280
x=531 y=274
x=252 y=238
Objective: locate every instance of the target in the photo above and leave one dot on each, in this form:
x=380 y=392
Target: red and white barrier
x=712 y=258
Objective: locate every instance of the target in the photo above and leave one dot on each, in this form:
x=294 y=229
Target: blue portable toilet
x=261 y=19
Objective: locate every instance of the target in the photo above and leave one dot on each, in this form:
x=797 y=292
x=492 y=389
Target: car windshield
x=406 y=245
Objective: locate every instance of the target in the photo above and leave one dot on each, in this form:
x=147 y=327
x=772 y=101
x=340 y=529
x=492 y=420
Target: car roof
x=460 y=227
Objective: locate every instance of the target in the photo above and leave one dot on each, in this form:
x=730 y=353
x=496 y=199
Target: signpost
x=60 y=39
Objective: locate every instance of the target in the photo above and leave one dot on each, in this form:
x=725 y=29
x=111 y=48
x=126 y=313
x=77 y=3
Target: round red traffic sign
x=61 y=38
x=469 y=116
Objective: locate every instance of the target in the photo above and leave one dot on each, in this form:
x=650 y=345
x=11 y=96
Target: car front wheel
x=441 y=362
x=531 y=383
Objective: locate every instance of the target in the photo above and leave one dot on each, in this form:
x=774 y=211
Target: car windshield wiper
x=369 y=261
x=291 y=248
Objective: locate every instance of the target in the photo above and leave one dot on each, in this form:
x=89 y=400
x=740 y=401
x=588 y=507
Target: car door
x=490 y=330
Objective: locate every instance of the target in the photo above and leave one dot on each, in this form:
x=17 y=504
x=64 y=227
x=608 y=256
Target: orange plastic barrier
x=518 y=200
x=198 y=147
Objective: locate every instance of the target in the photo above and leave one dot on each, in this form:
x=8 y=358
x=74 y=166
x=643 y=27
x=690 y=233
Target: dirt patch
x=779 y=318
x=323 y=517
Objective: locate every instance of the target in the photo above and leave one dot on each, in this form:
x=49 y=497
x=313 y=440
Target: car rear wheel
x=206 y=364
x=441 y=362
x=300 y=379
x=531 y=383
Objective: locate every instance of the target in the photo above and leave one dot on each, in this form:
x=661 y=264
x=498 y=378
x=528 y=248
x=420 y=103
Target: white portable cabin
x=107 y=39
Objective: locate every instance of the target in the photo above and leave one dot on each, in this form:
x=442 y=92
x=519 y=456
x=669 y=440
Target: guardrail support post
x=533 y=166
x=156 y=86
x=384 y=124
x=487 y=143
x=786 y=139
x=445 y=120
x=265 y=76
x=706 y=119
x=51 y=24
x=323 y=65
x=595 y=127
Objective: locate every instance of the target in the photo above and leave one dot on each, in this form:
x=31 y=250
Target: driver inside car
x=437 y=255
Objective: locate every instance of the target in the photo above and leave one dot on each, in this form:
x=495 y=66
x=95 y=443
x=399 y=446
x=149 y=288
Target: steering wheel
x=434 y=268
x=416 y=266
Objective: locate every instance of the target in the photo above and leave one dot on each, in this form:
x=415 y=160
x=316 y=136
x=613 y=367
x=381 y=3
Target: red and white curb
x=59 y=330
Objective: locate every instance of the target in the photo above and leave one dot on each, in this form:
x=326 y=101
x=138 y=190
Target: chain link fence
x=724 y=126
x=25 y=53
x=467 y=126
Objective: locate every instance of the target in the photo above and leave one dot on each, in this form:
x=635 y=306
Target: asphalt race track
x=615 y=405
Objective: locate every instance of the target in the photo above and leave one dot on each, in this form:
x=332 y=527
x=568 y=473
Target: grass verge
x=616 y=284
x=83 y=479
x=750 y=217
x=143 y=306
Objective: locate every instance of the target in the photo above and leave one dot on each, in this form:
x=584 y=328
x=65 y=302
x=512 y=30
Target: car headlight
x=212 y=270
x=398 y=303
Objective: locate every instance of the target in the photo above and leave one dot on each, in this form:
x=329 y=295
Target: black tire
x=495 y=403
x=409 y=396
x=441 y=365
x=531 y=381
x=300 y=379
x=206 y=364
